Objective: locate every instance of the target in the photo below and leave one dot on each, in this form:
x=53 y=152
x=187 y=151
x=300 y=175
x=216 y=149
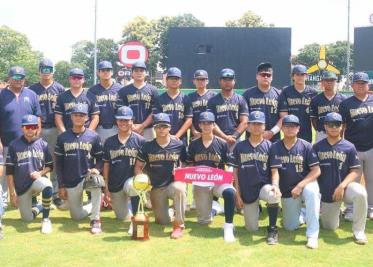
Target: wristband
x=275 y=130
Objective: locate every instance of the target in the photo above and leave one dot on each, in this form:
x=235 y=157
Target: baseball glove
x=92 y=181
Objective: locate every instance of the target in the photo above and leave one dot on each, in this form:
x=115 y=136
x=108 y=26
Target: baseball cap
x=328 y=75
x=76 y=72
x=333 y=117
x=227 y=73
x=80 y=108
x=299 y=69
x=139 y=65
x=46 y=62
x=161 y=118
x=17 y=73
x=257 y=116
x=290 y=119
x=264 y=66
x=174 y=72
x=29 y=120
x=105 y=65
x=124 y=113
x=200 y=74
x=360 y=76
x=206 y=116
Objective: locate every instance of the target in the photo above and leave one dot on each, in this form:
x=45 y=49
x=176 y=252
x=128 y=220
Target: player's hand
x=338 y=194
x=35 y=175
x=138 y=128
x=276 y=191
x=231 y=140
x=267 y=135
x=62 y=193
x=239 y=202
x=295 y=193
x=94 y=171
x=14 y=200
x=107 y=195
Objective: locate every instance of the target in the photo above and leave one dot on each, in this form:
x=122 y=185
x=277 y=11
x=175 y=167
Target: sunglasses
x=334 y=124
x=227 y=79
x=265 y=74
x=31 y=127
x=105 y=70
x=18 y=77
x=161 y=126
x=46 y=70
x=76 y=77
x=290 y=125
x=173 y=78
x=300 y=74
x=201 y=79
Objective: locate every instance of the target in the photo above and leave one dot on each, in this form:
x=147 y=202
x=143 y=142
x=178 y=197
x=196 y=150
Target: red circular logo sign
x=131 y=52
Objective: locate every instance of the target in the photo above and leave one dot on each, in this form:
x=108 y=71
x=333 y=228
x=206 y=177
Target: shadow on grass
x=21 y=226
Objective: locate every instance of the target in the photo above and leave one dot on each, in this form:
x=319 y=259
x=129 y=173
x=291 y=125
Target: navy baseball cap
x=29 y=120
x=161 y=118
x=333 y=117
x=80 y=108
x=105 y=65
x=200 y=74
x=299 y=69
x=124 y=113
x=290 y=119
x=46 y=62
x=264 y=66
x=206 y=117
x=17 y=73
x=227 y=73
x=257 y=116
x=328 y=75
x=139 y=65
x=360 y=76
x=76 y=72
x=174 y=72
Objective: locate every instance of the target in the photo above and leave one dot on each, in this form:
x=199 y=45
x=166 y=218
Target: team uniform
x=298 y=104
x=293 y=165
x=266 y=102
x=121 y=158
x=198 y=104
x=1 y=199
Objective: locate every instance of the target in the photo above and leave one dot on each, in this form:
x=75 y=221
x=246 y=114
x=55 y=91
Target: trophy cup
x=140 y=222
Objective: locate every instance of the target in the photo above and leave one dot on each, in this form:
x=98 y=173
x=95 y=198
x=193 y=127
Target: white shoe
x=228 y=233
x=171 y=214
x=130 y=229
x=217 y=207
x=46 y=226
x=312 y=243
x=348 y=214
x=360 y=238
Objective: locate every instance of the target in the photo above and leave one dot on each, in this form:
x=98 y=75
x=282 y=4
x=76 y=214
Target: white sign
x=132 y=52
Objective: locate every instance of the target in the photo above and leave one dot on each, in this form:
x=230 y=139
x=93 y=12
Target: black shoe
x=57 y=202
x=272 y=236
x=34 y=201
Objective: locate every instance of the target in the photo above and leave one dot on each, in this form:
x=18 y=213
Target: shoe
x=171 y=214
x=312 y=243
x=348 y=214
x=1 y=232
x=96 y=227
x=217 y=207
x=272 y=235
x=130 y=229
x=46 y=226
x=360 y=238
x=302 y=216
x=228 y=233
x=177 y=232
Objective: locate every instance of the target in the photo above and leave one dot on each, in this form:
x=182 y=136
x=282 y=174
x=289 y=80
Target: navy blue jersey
x=141 y=100
x=75 y=154
x=228 y=111
x=358 y=117
x=293 y=165
x=12 y=109
x=253 y=168
x=121 y=158
x=160 y=162
x=266 y=102
x=298 y=104
x=106 y=100
x=336 y=161
x=320 y=106
x=178 y=109
x=215 y=155
x=199 y=105
x=24 y=158
x=66 y=101
x=47 y=100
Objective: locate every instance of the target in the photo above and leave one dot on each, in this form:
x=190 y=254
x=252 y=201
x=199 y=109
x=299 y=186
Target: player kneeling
x=211 y=151
x=252 y=176
x=160 y=157
x=27 y=163
x=340 y=168
x=76 y=150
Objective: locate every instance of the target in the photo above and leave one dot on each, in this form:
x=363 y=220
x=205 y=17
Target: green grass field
x=71 y=244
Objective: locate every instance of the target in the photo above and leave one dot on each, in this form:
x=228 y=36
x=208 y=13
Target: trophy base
x=140 y=224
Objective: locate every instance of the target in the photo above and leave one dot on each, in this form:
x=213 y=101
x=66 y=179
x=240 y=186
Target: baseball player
x=48 y=90
x=298 y=168
x=209 y=150
x=253 y=178
x=198 y=99
x=324 y=103
x=174 y=103
x=106 y=98
x=15 y=101
x=264 y=98
x=160 y=157
x=120 y=151
x=230 y=110
x=79 y=155
x=1 y=199
x=27 y=164
x=357 y=114
x=67 y=101
x=295 y=99
x=140 y=96
x=340 y=168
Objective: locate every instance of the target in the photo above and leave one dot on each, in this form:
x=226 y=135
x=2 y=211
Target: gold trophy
x=140 y=222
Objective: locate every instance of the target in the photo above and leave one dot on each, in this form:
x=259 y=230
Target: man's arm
x=340 y=190
x=58 y=120
x=184 y=128
x=139 y=166
x=94 y=122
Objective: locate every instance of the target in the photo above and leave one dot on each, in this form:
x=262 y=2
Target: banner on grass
x=203 y=175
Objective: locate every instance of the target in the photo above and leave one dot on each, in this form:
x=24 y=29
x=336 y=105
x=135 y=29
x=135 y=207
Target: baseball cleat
x=46 y=226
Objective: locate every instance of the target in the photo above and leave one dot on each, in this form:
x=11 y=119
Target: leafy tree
x=61 y=72
x=249 y=19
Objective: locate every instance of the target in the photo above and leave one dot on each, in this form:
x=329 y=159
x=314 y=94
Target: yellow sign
x=323 y=64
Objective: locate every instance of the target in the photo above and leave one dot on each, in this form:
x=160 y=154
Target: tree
x=15 y=49
x=61 y=72
x=248 y=20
